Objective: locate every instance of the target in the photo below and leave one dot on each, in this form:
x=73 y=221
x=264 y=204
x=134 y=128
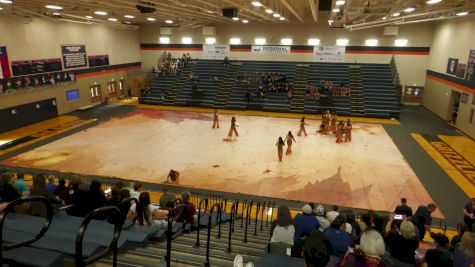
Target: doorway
x=454 y=106
x=121 y=87
x=112 y=89
x=96 y=93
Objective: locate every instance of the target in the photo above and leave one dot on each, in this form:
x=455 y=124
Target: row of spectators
x=326 y=88
x=337 y=239
x=266 y=83
x=167 y=65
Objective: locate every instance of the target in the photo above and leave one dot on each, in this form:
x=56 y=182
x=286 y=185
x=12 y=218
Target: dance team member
x=280 y=148
x=233 y=128
x=348 y=129
x=339 y=132
x=173 y=177
x=334 y=118
x=289 y=139
x=302 y=127
x=215 y=119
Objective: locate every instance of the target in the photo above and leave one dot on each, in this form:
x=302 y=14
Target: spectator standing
x=440 y=256
x=331 y=215
x=136 y=190
x=402 y=241
x=469 y=213
x=370 y=253
x=338 y=237
x=76 y=197
x=305 y=223
x=282 y=229
x=61 y=191
x=20 y=184
x=95 y=197
x=190 y=210
x=8 y=193
x=422 y=219
x=320 y=215
x=51 y=186
x=167 y=200
x=403 y=209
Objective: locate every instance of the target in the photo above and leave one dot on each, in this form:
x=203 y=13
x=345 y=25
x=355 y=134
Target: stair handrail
x=223 y=209
x=262 y=213
x=258 y=208
x=232 y=218
x=11 y=208
x=208 y=241
x=115 y=217
x=249 y=208
x=244 y=206
x=203 y=200
x=267 y=214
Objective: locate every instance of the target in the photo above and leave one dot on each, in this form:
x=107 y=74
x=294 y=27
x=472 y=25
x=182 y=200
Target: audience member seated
x=440 y=256
x=8 y=193
x=39 y=188
x=469 y=213
x=62 y=190
x=370 y=253
x=320 y=215
x=76 y=197
x=353 y=227
x=226 y=60
x=338 y=237
x=50 y=185
x=403 y=209
x=317 y=250
x=331 y=215
x=20 y=184
x=282 y=229
x=422 y=219
x=146 y=214
x=95 y=197
x=305 y=223
x=461 y=229
x=378 y=225
x=167 y=200
x=189 y=216
x=136 y=190
x=464 y=255
x=402 y=240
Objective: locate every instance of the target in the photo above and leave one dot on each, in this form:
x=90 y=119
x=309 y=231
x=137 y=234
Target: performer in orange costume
x=280 y=148
x=215 y=119
x=233 y=128
x=302 y=127
x=289 y=139
x=339 y=132
x=348 y=129
x=334 y=118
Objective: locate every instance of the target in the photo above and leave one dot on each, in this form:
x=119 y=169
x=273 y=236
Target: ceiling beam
x=291 y=9
x=314 y=8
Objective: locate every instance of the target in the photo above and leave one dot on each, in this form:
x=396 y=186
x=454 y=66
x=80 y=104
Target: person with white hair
x=402 y=240
x=370 y=252
x=320 y=215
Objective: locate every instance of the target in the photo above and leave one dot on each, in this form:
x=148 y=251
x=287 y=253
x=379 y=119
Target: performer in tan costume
x=233 y=128
x=280 y=148
x=302 y=127
x=348 y=129
x=289 y=139
x=215 y=119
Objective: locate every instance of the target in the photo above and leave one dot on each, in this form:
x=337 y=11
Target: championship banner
x=4 y=65
x=329 y=53
x=471 y=66
x=74 y=56
x=211 y=51
x=99 y=60
x=271 y=49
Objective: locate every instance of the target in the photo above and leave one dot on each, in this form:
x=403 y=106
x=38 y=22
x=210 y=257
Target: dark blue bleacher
x=380 y=95
x=160 y=85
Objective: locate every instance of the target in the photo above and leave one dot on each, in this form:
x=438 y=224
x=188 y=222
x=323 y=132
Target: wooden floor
x=144 y=145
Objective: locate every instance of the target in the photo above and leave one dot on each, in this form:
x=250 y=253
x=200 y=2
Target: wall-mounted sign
x=271 y=49
x=329 y=53
x=74 y=56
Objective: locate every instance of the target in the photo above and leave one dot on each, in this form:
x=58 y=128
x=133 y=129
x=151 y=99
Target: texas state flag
x=4 y=66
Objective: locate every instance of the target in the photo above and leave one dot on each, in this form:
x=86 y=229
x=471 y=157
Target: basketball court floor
x=369 y=173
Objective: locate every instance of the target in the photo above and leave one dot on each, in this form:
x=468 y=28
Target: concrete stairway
x=357 y=98
x=227 y=85
x=182 y=78
x=297 y=103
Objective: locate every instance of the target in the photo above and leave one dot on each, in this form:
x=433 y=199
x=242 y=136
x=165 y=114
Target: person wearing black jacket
x=8 y=193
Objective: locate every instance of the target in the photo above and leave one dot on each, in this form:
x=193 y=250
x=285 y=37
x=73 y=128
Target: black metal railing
x=205 y=202
x=258 y=208
x=11 y=208
x=232 y=218
x=208 y=241
x=114 y=217
x=248 y=218
x=244 y=207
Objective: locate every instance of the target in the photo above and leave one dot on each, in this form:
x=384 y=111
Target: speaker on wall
x=230 y=12
x=145 y=9
x=391 y=30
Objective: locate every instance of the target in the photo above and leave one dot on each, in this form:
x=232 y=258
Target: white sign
x=329 y=53
x=212 y=51
x=271 y=49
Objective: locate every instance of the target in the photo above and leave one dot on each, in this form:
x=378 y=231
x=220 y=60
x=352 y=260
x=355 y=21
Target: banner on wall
x=74 y=56
x=99 y=60
x=461 y=70
x=329 y=53
x=212 y=51
x=471 y=66
x=28 y=67
x=271 y=49
x=4 y=66
x=452 y=66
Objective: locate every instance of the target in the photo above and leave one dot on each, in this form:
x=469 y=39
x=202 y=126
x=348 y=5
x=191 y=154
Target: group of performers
x=329 y=124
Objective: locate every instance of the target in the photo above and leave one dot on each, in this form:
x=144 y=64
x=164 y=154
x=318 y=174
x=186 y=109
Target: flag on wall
x=4 y=65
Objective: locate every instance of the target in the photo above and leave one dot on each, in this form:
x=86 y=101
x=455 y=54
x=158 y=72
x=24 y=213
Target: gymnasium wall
x=411 y=71
x=451 y=38
x=42 y=38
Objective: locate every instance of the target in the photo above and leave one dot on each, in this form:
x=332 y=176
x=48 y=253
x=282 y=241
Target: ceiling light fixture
x=164 y=40
x=396 y=14
x=286 y=41
x=89 y=17
x=245 y=21
x=400 y=42
x=339 y=3
x=384 y=18
x=112 y=19
x=129 y=16
x=151 y=19
x=100 y=13
x=1 y=8
x=235 y=18
x=281 y=18
x=168 y=21
x=342 y=42
x=336 y=10
x=431 y=2
x=6 y=1
x=127 y=22
x=260 y=41
x=409 y=9
x=54 y=7
x=462 y=13
x=209 y=11
x=56 y=14
x=256 y=3
x=269 y=11
x=235 y=41
x=276 y=15
x=186 y=40
x=371 y=42
x=313 y=41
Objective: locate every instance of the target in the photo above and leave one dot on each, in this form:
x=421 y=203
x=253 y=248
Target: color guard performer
x=348 y=129
x=334 y=118
x=280 y=148
x=302 y=127
x=339 y=132
x=233 y=128
x=215 y=119
x=289 y=139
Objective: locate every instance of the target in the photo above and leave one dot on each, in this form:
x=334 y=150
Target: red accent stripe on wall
x=301 y=51
x=387 y=52
x=458 y=86
x=172 y=48
x=102 y=72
